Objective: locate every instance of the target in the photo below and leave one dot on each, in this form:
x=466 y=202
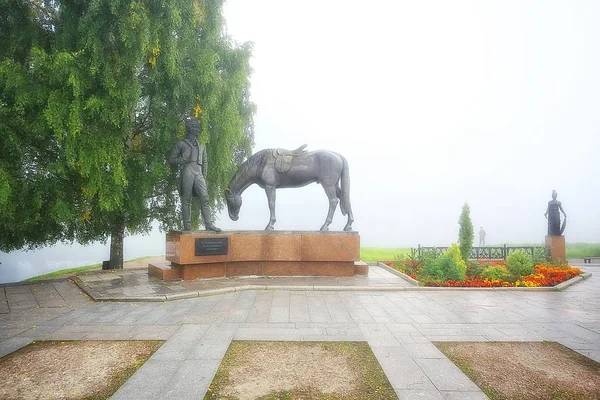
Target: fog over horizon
x=433 y=104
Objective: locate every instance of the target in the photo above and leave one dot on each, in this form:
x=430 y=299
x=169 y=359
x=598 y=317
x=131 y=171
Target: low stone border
x=211 y=292
x=418 y=286
x=398 y=273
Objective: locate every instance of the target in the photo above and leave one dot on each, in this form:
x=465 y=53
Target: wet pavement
x=399 y=325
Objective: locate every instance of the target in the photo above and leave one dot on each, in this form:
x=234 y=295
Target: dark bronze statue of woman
x=553 y=216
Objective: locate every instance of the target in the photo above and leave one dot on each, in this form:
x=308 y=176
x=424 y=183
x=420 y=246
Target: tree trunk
x=116 y=244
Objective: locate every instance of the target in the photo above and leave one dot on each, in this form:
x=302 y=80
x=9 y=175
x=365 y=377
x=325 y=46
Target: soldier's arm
x=175 y=157
x=204 y=162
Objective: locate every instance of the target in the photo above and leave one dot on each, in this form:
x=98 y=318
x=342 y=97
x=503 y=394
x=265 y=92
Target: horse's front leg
x=270 y=191
x=333 y=202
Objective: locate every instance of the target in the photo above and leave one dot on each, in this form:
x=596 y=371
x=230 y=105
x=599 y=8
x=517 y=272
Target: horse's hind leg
x=348 y=226
x=270 y=191
x=330 y=191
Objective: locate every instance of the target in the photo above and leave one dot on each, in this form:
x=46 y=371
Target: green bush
x=519 y=263
x=448 y=266
x=495 y=272
x=474 y=268
x=539 y=255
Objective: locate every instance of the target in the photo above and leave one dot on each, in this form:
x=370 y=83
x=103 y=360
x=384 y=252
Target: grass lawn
x=580 y=250
x=526 y=370
x=300 y=370
x=69 y=271
x=382 y=253
x=86 y=369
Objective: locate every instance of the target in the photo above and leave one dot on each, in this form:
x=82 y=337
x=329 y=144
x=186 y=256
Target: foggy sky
x=433 y=103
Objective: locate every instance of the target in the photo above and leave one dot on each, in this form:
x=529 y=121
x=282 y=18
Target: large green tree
x=93 y=94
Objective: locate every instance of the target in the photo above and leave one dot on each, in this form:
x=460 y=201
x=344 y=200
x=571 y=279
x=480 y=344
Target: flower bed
x=545 y=275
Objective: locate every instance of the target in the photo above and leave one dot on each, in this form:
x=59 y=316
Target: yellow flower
x=197 y=110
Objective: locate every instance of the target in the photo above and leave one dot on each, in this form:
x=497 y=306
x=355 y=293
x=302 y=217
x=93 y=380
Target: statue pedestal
x=556 y=244
x=206 y=254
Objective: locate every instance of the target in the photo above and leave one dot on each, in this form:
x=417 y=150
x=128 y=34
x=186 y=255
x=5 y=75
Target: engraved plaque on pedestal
x=211 y=246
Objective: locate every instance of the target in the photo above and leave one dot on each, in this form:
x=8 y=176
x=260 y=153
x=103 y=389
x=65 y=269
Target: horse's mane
x=254 y=160
x=251 y=163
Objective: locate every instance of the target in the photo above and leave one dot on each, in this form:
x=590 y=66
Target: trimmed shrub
x=519 y=263
x=449 y=266
x=495 y=273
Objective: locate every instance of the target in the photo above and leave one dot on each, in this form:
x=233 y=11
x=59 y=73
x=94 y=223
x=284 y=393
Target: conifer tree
x=465 y=233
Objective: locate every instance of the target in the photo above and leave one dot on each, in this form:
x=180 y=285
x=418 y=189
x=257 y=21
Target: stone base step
x=170 y=271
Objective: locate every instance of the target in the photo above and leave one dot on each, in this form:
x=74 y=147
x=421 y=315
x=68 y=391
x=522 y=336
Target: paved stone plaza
x=399 y=325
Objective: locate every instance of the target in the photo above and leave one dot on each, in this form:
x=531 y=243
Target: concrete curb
x=95 y=296
x=572 y=281
x=398 y=273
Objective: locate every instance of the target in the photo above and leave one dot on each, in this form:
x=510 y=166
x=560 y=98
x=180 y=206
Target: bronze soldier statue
x=190 y=156
x=553 y=216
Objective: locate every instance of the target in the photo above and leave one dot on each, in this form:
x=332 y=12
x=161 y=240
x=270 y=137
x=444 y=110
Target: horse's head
x=234 y=203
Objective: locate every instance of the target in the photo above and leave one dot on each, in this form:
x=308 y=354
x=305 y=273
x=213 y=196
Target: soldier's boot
x=186 y=210
x=208 y=222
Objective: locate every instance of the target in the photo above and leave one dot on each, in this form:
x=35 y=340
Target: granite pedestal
x=556 y=244
x=206 y=254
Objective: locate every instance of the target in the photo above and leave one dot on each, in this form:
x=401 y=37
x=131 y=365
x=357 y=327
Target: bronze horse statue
x=277 y=168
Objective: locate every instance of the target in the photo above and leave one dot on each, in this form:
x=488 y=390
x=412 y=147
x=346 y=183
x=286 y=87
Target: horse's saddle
x=283 y=158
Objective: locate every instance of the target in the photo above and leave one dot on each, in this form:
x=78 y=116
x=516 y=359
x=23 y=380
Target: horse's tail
x=344 y=192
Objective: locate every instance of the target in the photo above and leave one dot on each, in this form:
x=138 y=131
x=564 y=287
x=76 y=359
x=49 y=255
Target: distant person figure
x=481 y=237
x=553 y=215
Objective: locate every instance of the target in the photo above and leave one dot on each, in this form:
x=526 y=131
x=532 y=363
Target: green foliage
x=93 y=95
x=495 y=272
x=540 y=255
x=465 y=233
x=475 y=268
x=519 y=263
x=448 y=266
x=409 y=264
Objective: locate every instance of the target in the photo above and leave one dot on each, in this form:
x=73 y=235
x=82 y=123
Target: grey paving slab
x=406 y=375
x=4 y=308
x=317 y=308
x=445 y=375
x=399 y=326
x=13 y=344
x=280 y=307
x=47 y=296
x=423 y=350
x=457 y=395
x=299 y=307
x=268 y=334
x=378 y=335
x=181 y=343
x=149 y=381
x=261 y=308
x=7 y=333
x=153 y=332
x=412 y=394
x=191 y=380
